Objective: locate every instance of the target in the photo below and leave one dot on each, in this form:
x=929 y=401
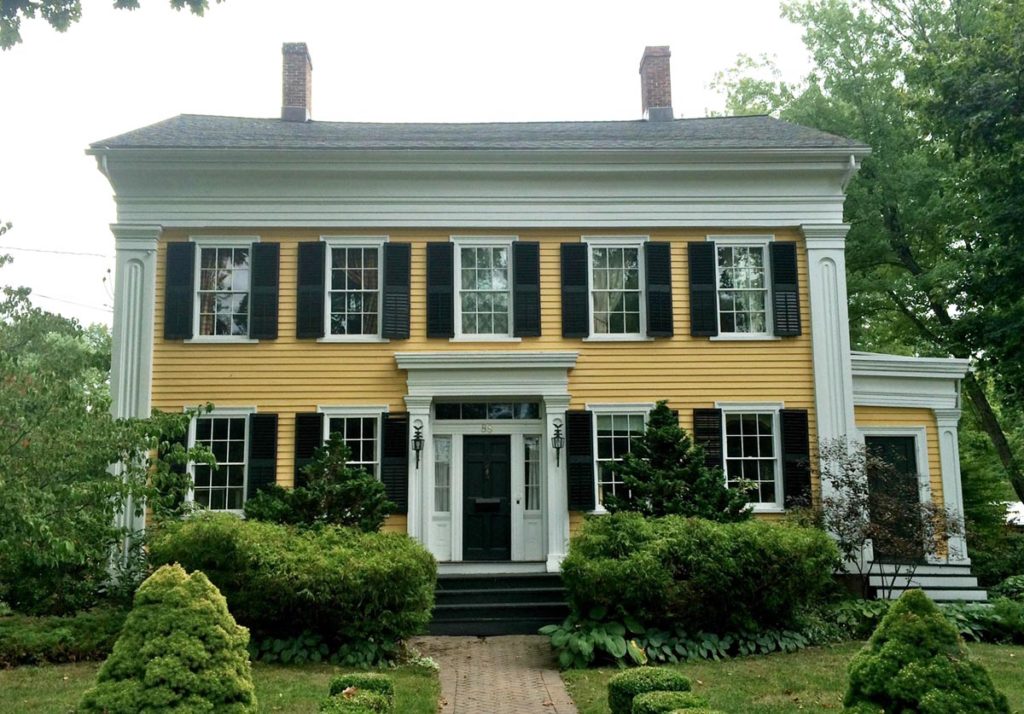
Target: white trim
x=744 y=337
x=759 y=239
x=484 y=338
x=756 y=406
x=203 y=242
x=610 y=409
x=357 y=412
x=772 y=408
x=636 y=242
x=871 y=364
x=206 y=240
x=344 y=242
x=946 y=421
x=897 y=381
x=352 y=411
x=488 y=359
x=355 y=241
x=745 y=241
x=481 y=241
x=617 y=338
x=220 y=413
x=613 y=407
x=220 y=340
x=352 y=339
x=606 y=241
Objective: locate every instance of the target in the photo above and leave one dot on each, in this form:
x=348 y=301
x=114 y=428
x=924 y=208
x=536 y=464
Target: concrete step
x=924 y=569
x=940 y=594
x=924 y=581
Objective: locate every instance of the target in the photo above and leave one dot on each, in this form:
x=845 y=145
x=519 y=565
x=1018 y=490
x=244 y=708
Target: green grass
x=812 y=680
x=56 y=689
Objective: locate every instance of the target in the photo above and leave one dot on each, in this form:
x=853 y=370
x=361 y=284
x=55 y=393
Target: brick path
x=497 y=675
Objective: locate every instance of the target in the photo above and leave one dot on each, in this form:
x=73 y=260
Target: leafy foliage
x=916 y=661
x=180 y=650
x=311 y=647
x=37 y=640
x=625 y=686
x=333 y=493
x=362 y=592
x=663 y=702
x=369 y=681
x=664 y=473
x=700 y=575
x=1012 y=587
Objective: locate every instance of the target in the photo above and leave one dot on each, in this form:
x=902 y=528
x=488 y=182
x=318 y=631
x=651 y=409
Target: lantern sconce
x=557 y=441
x=417 y=439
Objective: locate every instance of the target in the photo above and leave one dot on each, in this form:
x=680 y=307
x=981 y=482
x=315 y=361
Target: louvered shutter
x=440 y=290
x=525 y=289
x=309 y=306
x=658 y=265
x=263 y=298
x=703 y=296
x=309 y=436
x=262 y=466
x=707 y=432
x=579 y=461
x=394 y=462
x=796 y=458
x=179 y=290
x=575 y=301
x=395 y=307
x=785 y=290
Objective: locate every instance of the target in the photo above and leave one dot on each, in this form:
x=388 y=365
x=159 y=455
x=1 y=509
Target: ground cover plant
x=25 y=639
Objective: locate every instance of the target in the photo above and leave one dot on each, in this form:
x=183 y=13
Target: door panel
x=894 y=498
x=487 y=497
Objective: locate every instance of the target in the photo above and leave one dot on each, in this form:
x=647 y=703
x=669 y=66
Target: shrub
x=662 y=702
x=1012 y=587
x=623 y=687
x=366 y=681
x=699 y=575
x=916 y=661
x=350 y=588
x=180 y=651
x=35 y=640
x=357 y=703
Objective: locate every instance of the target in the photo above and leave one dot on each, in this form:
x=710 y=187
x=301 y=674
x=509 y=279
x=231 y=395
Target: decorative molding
x=897 y=381
x=882 y=365
x=488 y=359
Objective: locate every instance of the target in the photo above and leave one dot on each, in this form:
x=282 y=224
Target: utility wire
x=71 y=302
x=55 y=252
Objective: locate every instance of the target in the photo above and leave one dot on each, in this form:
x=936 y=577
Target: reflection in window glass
x=615 y=279
x=750 y=455
x=360 y=435
x=224 y=291
x=531 y=460
x=221 y=487
x=615 y=433
x=442 y=473
x=354 y=290
x=487 y=410
x=742 y=289
x=484 y=290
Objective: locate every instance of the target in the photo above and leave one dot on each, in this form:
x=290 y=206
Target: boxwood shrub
x=346 y=586
x=664 y=702
x=35 y=640
x=364 y=681
x=359 y=703
x=624 y=686
x=697 y=574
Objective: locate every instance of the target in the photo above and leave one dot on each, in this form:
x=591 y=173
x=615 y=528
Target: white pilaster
x=830 y=335
x=558 y=504
x=952 y=490
x=417 y=519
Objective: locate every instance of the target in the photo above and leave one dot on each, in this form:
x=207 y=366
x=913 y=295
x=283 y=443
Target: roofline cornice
x=867 y=364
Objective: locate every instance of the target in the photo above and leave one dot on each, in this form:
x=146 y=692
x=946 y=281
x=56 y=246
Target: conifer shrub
x=625 y=686
x=663 y=702
x=916 y=662
x=180 y=650
x=364 y=681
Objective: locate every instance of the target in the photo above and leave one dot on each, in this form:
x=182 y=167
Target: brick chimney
x=297 y=92
x=656 y=83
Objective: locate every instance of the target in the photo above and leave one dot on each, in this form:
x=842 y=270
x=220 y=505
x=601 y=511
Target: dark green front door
x=487 y=493
x=894 y=499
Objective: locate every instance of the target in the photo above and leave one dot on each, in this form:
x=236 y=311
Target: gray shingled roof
x=208 y=132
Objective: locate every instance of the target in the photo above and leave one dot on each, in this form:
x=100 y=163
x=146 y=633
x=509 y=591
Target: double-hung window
x=359 y=427
x=743 y=284
x=483 y=281
x=616 y=427
x=353 y=287
x=752 y=454
x=221 y=487
x=616 y=277
x=223 y=291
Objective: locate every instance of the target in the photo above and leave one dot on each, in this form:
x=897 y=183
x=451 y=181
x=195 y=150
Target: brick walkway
x=497 y=675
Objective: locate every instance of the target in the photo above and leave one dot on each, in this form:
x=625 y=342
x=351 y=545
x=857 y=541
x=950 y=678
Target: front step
x=942 y=583
x=497 y=604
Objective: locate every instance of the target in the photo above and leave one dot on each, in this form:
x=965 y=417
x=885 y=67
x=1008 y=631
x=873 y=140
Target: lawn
x=56 y=689
x=809 y=681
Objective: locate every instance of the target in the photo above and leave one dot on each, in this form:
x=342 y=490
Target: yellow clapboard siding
x=288 y=375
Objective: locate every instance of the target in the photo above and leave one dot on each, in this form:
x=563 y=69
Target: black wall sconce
x=417 y=440
x=557 y=441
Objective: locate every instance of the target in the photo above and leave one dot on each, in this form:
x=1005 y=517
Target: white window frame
x=623 y=408
x=772 y=408
x=617 y=241
x=746 y=241
x=221 y=413
x=360 y=241
x=481 y=241
x=218 y=241
x=356 y=412
x=920 y=436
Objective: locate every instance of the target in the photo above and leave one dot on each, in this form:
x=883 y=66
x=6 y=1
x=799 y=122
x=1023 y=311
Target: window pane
x=442 y=473
x=353 y=292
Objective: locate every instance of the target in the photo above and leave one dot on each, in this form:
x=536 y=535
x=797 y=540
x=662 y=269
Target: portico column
x=558 y=505
x=416 y=519
x=952 y=490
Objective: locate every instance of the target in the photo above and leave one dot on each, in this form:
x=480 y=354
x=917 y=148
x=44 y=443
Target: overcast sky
x=372 y=61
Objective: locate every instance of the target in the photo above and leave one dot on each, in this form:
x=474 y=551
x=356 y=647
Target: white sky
x=397 y=61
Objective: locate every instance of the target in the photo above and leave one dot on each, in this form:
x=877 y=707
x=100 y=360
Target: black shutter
x=526 y=289
x=309 y=306
x=395 y=300
x=579 y=460
x=658 y=263
x=266 y=258
x=394 y=462
x=575 y=301
x=707 y=432
x=262 y=467
x=785 y=290
x=440 y=290
x=796 y=458
x=703 y=296
x=179 y=288
x=309 y=436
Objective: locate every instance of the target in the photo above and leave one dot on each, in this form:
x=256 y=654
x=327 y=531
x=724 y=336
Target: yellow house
x=487 y=312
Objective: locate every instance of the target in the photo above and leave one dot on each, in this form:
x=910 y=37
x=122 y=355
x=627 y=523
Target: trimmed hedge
x=664 y=702
x=625 y=686
x=346 y=586
x=697 y=574
x=359 y=703
x=37 y=640
x=366 y=681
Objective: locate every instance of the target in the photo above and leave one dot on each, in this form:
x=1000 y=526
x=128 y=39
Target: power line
x=71 y=302
x=56 y=252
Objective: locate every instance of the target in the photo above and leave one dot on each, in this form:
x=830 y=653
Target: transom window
x=487 y=410
x=360 y=435
x=742 y=289
x=751 y=459
x=221 y=487
x=615 y=290
x=354 y=291
x=223 y=291
x=615 y=434
x=484 y=292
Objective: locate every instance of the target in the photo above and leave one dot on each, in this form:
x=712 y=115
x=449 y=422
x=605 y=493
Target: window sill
x=221 y=340
x=485 y=338
x=353 y=339
x=599 y=511
x=618 y=338
x=767 y=508
x=740 y=337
